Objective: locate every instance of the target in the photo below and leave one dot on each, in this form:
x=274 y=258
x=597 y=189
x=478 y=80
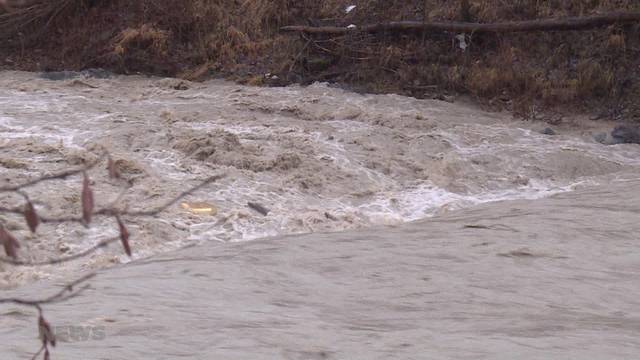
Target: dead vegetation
x=592 y=69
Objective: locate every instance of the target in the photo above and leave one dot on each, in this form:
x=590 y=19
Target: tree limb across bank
x=564 y=24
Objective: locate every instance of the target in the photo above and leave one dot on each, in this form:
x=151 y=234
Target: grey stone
x=60 y=75
x=600 y=137
x=97 y=73
x=626 y=134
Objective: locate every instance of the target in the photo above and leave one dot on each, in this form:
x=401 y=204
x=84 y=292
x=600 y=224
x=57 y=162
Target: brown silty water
x=324 y=160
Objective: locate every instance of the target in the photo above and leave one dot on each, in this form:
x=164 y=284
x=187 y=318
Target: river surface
x=398 y=228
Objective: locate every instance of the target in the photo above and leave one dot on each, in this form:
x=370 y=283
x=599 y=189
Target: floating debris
x=259 y=208
x=200 y=208
x=330 y=217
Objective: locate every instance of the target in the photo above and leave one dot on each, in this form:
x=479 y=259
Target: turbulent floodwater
x=319 y=158
x=322 y=160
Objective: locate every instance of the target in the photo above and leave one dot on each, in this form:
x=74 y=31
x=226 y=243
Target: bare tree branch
x=33 y=219
x=39 y=352
x=112 y=210
x=68 y=291
x=154 y=212
x=61 y=175
x=59 y=260
x=109 y=212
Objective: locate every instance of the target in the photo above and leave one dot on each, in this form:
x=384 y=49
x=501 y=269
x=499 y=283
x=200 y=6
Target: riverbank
x=537 y=75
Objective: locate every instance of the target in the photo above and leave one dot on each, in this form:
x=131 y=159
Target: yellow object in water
x=200 y=208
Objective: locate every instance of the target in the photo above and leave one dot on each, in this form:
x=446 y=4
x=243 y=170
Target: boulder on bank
x=626 y=134
x=622 y=134
x=68 y=75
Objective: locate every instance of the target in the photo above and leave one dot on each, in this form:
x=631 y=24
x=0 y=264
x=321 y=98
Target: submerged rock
x=548 y=131
x=68 y=75
x=98 y=73
x=60 y=75
x=601 y=138
x=625 y=134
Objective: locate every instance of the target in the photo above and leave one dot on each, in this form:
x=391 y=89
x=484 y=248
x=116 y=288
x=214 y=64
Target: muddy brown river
x=397 y=228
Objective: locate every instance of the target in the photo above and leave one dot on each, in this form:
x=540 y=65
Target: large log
x=564 y=24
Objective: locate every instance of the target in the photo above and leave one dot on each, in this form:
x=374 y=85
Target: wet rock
x=600 y=137
x=64 y=247
x=520 y=180
x=175 y=84
x=98 y=73
x=548 y=131
x=181 y=86
x=623 y=134
x=68 y=75
x=60 y=75
x=626 y=134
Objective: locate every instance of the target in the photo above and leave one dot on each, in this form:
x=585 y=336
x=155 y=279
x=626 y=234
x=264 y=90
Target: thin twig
x=59 y=260
x=60 y=175
x=112 y=210
x=69 y=290
x=295 y=60
x=39 y=352
x=162 y=208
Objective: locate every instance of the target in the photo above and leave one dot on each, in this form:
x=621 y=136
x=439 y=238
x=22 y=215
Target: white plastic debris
x=463 y=41
x=351 y=26
x=349 y=8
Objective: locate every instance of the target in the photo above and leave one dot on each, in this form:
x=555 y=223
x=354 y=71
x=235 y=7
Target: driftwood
x=564 y=24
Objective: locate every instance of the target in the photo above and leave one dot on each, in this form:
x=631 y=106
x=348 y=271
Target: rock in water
x=60 y=75
x=548 y=131
x=601 y=138
x=97 y=73
x=626 y=134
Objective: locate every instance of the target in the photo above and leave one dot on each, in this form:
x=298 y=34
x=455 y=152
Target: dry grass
x=33 y=18
x=145 y=37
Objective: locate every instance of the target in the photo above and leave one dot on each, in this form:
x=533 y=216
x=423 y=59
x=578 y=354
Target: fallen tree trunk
x=565 y=24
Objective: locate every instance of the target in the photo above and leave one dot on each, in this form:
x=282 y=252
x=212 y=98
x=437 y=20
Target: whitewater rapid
x=321 y=159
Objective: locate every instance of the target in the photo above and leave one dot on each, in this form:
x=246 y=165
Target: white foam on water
x=396 y=204
x=49 y=134
x=279 y=117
